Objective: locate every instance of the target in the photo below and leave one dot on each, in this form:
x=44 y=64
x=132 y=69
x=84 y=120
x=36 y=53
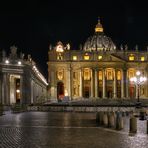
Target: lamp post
x=138 y=80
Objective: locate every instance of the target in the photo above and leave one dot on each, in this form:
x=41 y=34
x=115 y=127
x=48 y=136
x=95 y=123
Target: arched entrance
x=15 y=89
x=60 y=91
x=86 y=90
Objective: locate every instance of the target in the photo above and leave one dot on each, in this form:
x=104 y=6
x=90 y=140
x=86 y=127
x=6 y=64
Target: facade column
x=0 y=88
x=32 y=92
x=92 y=83
x=21 y=89
x=136 y=89
x=5 y=89
x=122 y=84
x=115 y=84
x=147 y=81
x=80 y=87
x=104 y=84
x=96 y=83
x=53 y=89
x=127 y=85
x=69 y=82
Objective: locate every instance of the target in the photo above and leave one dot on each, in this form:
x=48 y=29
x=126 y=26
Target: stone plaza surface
x=65 y=130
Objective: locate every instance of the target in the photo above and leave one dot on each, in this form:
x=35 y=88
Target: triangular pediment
x=114 y=58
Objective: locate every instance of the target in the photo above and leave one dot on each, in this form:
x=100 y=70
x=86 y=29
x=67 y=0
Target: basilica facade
x=97 y=70
x=20 y=80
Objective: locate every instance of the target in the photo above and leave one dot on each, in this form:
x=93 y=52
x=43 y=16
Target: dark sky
x=33 y=25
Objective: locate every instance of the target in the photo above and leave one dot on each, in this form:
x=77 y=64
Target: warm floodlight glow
x=18 y=91
x=138 y=73
x=19 y=62
x=7 y=61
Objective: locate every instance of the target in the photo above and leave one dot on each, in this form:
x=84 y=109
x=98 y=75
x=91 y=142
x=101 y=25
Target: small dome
x=99 y=41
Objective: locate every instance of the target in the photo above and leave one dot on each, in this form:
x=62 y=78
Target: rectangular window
x=100 y=75
x=118 y=75
x=131 y=74
x=86 y=57
x=131 y=58
x=87 y=74
x=142 y=58
x=74 y=58
x=99 y=57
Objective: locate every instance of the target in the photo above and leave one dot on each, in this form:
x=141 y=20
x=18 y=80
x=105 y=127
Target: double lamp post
x=138 y=80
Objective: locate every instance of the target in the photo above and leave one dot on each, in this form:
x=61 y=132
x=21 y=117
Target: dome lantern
x=99 y=27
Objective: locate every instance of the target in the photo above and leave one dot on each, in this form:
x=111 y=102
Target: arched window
x=109 y=74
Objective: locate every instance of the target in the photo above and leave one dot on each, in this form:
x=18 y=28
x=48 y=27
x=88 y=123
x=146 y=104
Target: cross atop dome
x=99 y=27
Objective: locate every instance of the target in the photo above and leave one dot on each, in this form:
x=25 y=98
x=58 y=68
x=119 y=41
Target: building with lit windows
x=20 y=80
x=98 y=69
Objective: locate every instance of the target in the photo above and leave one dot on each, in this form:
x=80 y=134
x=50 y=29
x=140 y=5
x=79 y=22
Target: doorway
x=60 y=91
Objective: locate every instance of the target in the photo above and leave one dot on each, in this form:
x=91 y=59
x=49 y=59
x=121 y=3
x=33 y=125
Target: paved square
x=64 y=130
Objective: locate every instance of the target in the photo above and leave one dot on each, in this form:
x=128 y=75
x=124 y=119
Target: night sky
x=33 y=25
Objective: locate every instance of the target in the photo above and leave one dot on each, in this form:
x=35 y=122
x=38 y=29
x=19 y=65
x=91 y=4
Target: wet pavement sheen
x=65 y=130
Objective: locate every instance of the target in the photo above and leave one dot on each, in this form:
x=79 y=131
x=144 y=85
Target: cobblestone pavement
x=65 y=130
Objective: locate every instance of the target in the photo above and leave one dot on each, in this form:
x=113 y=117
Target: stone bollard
x=97 y=118
x=101 y=118
x=1 y=109
x=105 y=119
x=119 y=121
x=147 y=126
x=133 y=124
x=111 y=120
x=142 y=115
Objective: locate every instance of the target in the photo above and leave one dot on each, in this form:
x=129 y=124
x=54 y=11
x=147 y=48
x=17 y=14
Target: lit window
x=87 y=74
x=86 y=57
x=142 y=58
x=118 y=75
x=74 y=57
x=131 y=74
x=100 y=75
x=99 y=57
x=109 y=75
x=131 y=58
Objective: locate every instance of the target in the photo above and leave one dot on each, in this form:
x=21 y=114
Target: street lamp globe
x=138 y=80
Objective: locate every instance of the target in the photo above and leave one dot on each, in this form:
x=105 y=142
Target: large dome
x=99 y=41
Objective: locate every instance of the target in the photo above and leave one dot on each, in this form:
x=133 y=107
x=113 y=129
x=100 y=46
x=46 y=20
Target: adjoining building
x=98 y=69
x=20 y=80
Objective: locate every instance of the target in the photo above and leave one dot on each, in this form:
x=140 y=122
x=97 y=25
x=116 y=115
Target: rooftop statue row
x=13 y=55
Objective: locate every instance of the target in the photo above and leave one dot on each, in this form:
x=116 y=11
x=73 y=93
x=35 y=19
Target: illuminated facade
x=20 y=80
x=98 y=69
